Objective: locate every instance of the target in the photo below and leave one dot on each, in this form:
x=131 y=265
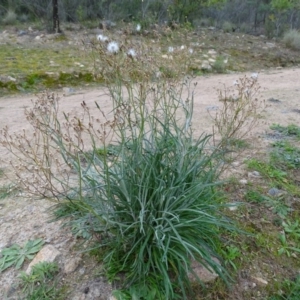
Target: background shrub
x=10 y=18
x=292 y=39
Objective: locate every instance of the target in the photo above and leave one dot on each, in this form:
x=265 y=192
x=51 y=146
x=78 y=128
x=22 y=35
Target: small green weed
x=289 y=290
x=231 y=254
x=285 y=156
x=277 y=204
x=290 y=130
x=15 y=255
x=7 y=190
x=280 y=178
x=238 y=143
x=291 y=39
x=287 y=247
x=292 y=229
x=219 y=65
x=41 y=284
x=254 y=196
x=268 y=170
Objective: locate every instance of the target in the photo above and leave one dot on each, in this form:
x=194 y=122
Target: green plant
x=230 y=254
x=254 y=196
x=219 y=65
x=290 y=130
x=41 y=283
x=15 y=255
x=286 y=247
x=277 y=176
x=285 y=156
x=228 y=27
x=154 y=205
x=289 y=290
x=292 y=229
x=10 y=18
x=291 y=39
x=7 y=190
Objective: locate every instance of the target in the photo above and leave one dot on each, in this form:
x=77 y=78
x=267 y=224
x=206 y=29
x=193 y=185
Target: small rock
x=71 y=265
x=235 y=164
x=37 y=37
x=212 y=107
x=253 y=174
x=212 y=52
x=259 y=281
x=270 y=45
x=21 y=32
x=68 y=90
x=11 y=78
x=233 y=206
x=167 y=56
x=274 y=100
x=243 y=181
x=202 y=273
x=48 y=254
x=274 y=192
x=206 y=66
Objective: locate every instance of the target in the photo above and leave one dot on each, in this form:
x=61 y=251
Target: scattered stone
x=202 y=273
x=254 y=174
x=235 y=164
x=107 y=24
x=274 y=192
x=71 y=265
x=167 y=56
x=48 y=254
x=22 y=32
x=274 y=100
x=68 y=90
x=37 y=37
x=212 y=52
x=211 y=60
x=233 y=206
x=259 y=281
x=212 y=107
x=206 y=66
x=270 y=45
x=11 y=78
x=243 y=181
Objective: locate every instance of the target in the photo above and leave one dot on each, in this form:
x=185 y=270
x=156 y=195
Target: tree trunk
x=56 y=28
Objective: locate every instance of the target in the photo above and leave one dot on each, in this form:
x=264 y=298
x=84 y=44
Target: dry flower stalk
x=240 y=111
